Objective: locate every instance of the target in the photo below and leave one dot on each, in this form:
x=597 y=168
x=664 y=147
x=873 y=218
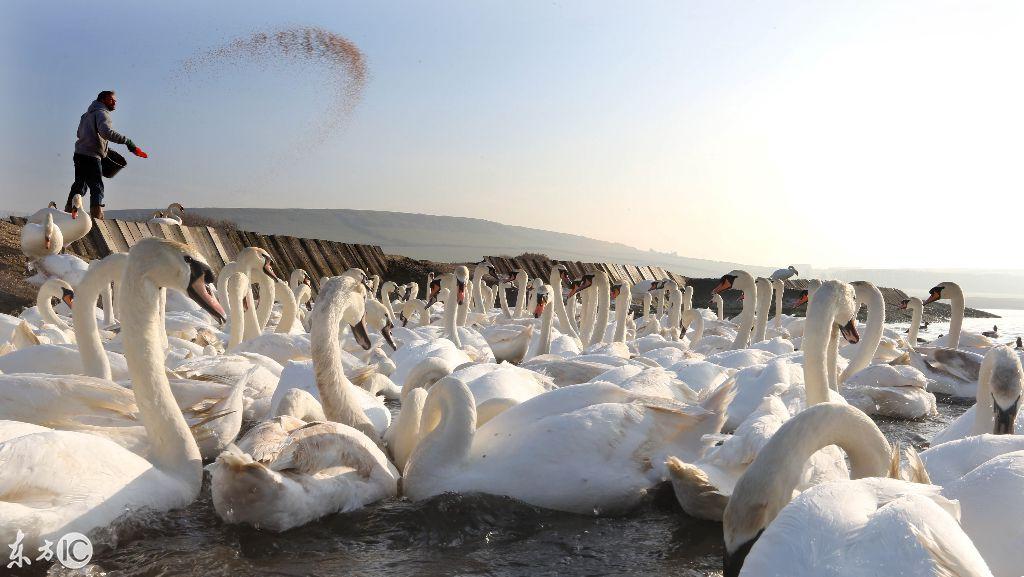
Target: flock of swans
x=571 y=397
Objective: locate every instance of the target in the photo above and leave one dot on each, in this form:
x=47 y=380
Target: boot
x=96 y=211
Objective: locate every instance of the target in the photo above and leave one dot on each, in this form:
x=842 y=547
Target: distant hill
x=460 y=239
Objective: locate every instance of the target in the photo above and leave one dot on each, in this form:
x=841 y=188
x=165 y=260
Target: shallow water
x=447 y=535
x=456 y=534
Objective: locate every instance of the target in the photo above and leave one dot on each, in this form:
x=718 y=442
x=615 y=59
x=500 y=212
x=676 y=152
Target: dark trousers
x=88 y=174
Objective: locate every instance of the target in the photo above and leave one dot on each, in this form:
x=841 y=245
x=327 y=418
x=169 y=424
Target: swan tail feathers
x=894 y=461
x=363 y=374
x=718 y=399
x=918 y=473
x=24 y=337
x=694 y=491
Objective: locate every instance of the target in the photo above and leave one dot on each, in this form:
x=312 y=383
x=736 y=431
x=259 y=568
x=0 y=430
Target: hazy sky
x=876 y=134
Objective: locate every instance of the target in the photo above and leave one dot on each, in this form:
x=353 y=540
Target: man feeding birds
x=95 y=131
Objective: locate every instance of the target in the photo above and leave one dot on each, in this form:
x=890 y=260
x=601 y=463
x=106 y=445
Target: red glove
x=139 y=152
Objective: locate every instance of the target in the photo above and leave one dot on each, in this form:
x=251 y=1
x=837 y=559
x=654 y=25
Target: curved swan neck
x=284 y=294
x=173 y=449
x=720 y=306
x=451 y=310
x=546 y=320
x=51 y=288
x=447 y=427
x=693 y=319
x=604 y=305
x=983 y=410
x=675 y=303
x=745 y=282
x=868 y=295
x=820 y=337
x=916 y=312
x=555 y=280
x=235 y=287
x=767 y=485
x=503 y=300
x=335 y=388
x=956 y=318
x=266 y=304
x=621 y=311
x=522 y=279
x=587 y=318
x=764 y=303
x=87 y=334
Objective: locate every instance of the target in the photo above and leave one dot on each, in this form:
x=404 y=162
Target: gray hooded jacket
x=95 y=130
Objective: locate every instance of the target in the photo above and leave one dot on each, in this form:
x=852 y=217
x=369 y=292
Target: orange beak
x=723 y=285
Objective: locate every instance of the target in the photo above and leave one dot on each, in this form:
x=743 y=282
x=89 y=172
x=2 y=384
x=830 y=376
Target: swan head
x=802 y=298
x=378 y=318
x=387 y=288
x=253 y=257
x=585 y=282
x=48 y=232
x=844 y=298
x=945 y=290
x=300 y=276
x=76 y=205
x=1002 y=368
x=174 y=265
x=793 y=268
x=461 y=278
x=541 y=300
x=614 y=290
x=726 y=282
x=562 y=271
x=68 y=296
x=175 y=206
x=354 y=283
x=433 y=289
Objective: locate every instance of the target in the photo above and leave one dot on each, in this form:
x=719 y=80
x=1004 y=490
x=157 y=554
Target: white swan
x=341 y=299
x=784 y=273
x=167 y=217
x=719 y=303
x=703 y=487
x=73 y=225
x=957 y=338
x=68 y=481
x=916 y=308
x=584 y=449
x=843 y=528
x=741 y=280
x=251 y=261
x=998 y=400
x=763 y=288
x=40 y=240
x=301 y=472
x=882 y=389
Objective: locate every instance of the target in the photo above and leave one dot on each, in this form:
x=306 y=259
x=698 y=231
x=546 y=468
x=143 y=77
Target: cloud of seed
x=339 y=63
